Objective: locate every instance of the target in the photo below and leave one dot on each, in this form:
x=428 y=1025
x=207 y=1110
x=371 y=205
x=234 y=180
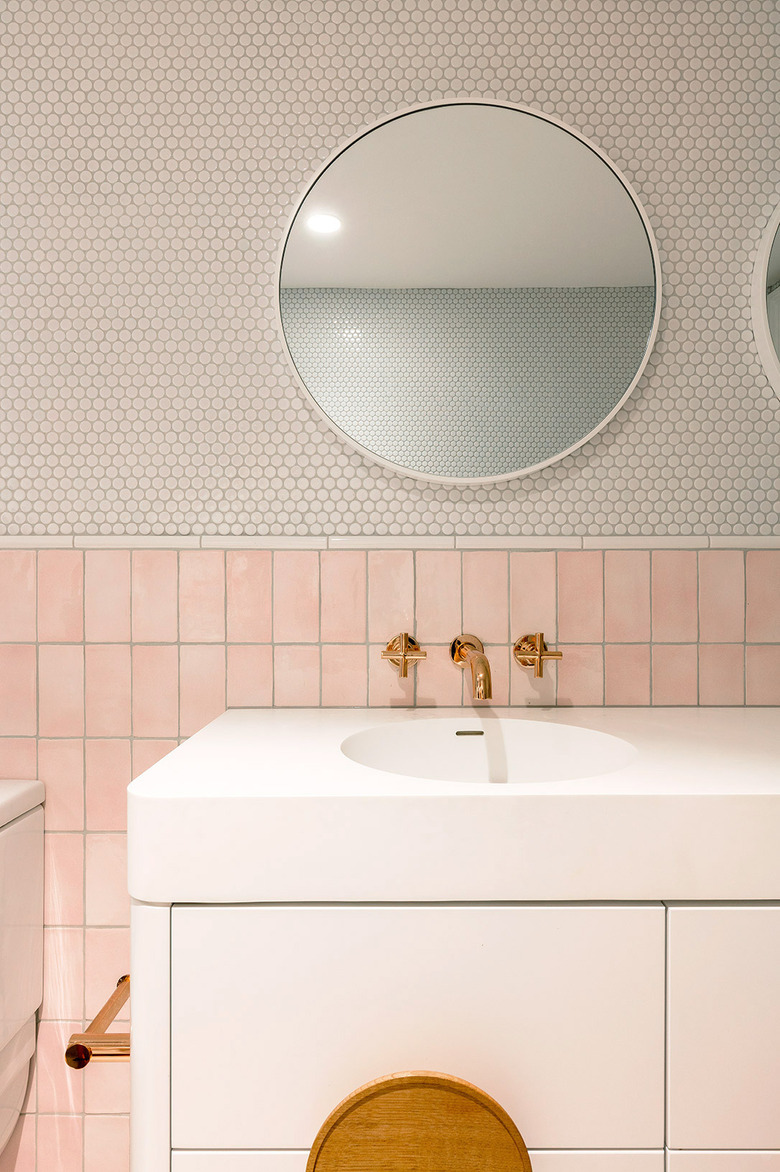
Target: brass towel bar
x=95 y=1044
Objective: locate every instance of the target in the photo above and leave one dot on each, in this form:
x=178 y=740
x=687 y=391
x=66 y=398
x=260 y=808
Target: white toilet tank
x=21 y=940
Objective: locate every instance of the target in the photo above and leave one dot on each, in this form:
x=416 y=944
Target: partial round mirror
x=766 y=301
x=468 y=292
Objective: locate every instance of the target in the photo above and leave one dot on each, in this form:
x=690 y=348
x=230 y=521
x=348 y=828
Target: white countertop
x=262 y=805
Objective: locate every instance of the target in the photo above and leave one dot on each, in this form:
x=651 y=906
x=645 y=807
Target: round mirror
x=468 y=292
x=766 y=301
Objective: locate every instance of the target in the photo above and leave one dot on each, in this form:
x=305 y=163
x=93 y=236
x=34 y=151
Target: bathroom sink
x=484 y=749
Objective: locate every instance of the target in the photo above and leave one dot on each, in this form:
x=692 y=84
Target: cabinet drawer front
x=279 y=1012
x=541 y=1162
x=724 y=1028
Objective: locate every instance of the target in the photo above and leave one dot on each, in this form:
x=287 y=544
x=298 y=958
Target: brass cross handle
x=403 y=650
x=531 y=651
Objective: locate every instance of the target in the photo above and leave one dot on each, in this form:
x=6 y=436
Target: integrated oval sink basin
x=476 y=749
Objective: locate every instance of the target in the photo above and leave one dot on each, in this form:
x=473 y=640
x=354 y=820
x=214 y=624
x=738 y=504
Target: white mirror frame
x=456 y=481
x=764 y=343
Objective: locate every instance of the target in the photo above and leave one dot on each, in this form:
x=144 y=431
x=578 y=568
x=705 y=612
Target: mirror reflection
x=773 y=293
x=468 y=291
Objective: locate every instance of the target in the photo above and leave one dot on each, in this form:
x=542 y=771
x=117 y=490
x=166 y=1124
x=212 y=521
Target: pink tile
x=296 y=596
x=106 y=1143
x=581 y=676
x=532 y=595
x=439 y=680
x=343 y=593
x=107 y=1092
x=17 y=596
x=63 y=974
x=386 y=689
x=63 y=889
x=203 y=683
x=250 y=676
x=107 y=901
x=525 y=689
x=390 y=594
x=249 y=596
x=202 y=596
x=296 y=676
x=107 y=688
x=344 y=675
x=60 y=1089
x=60 y=1141
x=675 y=674
x=674 y=596
x=19 y=1153
x=762 y=667
x=61 y=769
x=107 y=595
x=763 y=596
x=721 y=674
x=17 y=690
x=486 y=595
x=722 y=596
x=148 y=753
x=106 y=959
x=580 y=597
x=60 y=595
x=108 y=776
x=155 y=691
x=155 y=617
x=627 y=674
x=18 y=758
x=60 y=690
x=439 y=612
x=627 y=596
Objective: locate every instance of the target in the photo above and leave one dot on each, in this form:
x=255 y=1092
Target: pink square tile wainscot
x=63 y=974
x=722 y=596
x=107 y=900
x=674 y=596
x=106 y=959
x=296 y=676
x=390 y=594
x=107 y=595
x=155 y=575
x=19 y=1154
x=60 y=1142
x=61 y=769
x=60 y=596
x=147 y=753
x=486 y=595
x=762 y=674
x=626 y=596
x=106 y=1143
x=581 y=676
x=580 y=596
x=17 y=596
x=203 y=681
x=626 y=674
x=18 y=759
x=108 y=1091
x=108 y=776
x=155 y=691
x=296 y=596
x=17 y=690
x=533 y=600
x=438 y=588
x=202 y=596
x=107 y=668
x=675 y=674
x=722 y=674
x=250 y=676
x=343 y=595
x=386 y=689
x=763 y=596
x=63 y=888
x=439 y=680
x=344 y=675
x=60 y=1090
x=249 y=596
x=60 y=690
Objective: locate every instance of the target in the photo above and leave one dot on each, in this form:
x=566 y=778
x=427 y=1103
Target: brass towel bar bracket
x=95 y=1044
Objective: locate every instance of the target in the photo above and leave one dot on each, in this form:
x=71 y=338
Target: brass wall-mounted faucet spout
x=468 y=649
